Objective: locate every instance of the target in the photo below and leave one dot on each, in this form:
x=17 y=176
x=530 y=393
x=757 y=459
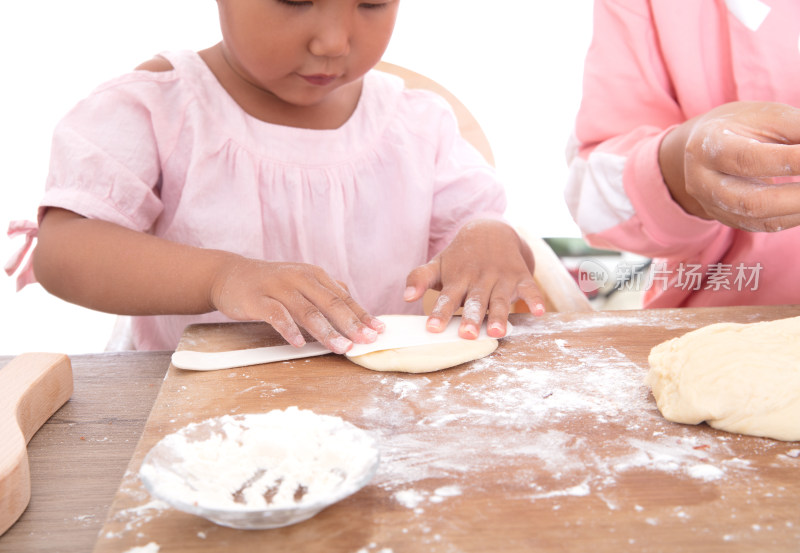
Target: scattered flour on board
x=151 y=547
x=705 y=472
x=412 y=498
x=409 y=498
x=373 y=548
x=136 y=517
x=577 y=491
x=580 y=418
x=599 y=320
x=84 y=519
x=562 y=422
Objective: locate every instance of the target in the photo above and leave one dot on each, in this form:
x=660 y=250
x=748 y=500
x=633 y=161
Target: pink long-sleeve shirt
x=172 y=154
x=652 y=65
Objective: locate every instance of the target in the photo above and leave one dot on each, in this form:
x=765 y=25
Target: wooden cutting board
x=33 y=386
x=552 y=443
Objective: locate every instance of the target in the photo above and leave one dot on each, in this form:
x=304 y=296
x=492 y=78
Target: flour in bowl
x=275 y=460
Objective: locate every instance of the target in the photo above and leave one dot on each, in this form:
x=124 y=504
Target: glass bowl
x=263 y=470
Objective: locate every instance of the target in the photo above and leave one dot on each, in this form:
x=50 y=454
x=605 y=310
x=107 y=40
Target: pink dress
x=172 y=154
x=651 y=66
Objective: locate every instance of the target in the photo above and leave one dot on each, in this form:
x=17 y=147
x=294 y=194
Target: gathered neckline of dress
x=379 y=96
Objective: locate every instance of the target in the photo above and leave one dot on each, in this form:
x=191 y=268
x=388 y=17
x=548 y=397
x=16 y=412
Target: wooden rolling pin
x=33 y=386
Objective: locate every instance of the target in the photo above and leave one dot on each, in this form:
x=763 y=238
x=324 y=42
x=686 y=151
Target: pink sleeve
x=615 y=190
x=104 y=160
x=104 y=164
x=466 y=186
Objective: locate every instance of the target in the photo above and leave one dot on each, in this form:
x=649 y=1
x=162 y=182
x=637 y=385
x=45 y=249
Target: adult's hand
x=738 y=164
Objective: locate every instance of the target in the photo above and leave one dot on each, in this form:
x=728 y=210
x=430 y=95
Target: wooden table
x=79 y=457
x=551 y=444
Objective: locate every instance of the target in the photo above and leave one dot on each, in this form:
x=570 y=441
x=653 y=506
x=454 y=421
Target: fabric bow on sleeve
x=29 y=230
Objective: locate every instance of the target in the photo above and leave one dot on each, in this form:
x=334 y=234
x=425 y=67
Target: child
x=274 y=177
x=686 y=143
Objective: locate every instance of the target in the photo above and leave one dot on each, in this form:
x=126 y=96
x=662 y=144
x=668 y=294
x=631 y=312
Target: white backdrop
x=516 y=64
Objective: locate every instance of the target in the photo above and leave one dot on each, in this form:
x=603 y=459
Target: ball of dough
x=426 y=358
x=742 y=378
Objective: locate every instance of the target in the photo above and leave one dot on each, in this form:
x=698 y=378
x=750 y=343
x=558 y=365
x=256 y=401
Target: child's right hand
x=727 y=165
x=110 y=268
x=286 y=295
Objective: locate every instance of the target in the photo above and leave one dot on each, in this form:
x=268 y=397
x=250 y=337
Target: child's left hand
x=486 y=266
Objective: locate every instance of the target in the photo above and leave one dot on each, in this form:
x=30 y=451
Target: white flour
x=556 y=423
x=135 y=517
x=273 y=460
x=412 y=498
x=151 y=547
x=556 y=418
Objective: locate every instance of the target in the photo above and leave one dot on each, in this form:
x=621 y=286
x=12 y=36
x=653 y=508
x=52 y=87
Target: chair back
x=554 y=280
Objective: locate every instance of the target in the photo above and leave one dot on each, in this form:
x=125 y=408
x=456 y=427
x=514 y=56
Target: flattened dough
x=742 y=378
x=426 y=352
x=426 y=358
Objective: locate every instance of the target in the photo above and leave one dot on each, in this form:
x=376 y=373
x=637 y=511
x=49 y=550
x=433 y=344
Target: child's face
x=300 y=51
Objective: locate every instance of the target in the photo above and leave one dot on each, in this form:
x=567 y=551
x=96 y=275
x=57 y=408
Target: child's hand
x=727 y=164
x=287 y=294
x=110 y=268
x=486 y=266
